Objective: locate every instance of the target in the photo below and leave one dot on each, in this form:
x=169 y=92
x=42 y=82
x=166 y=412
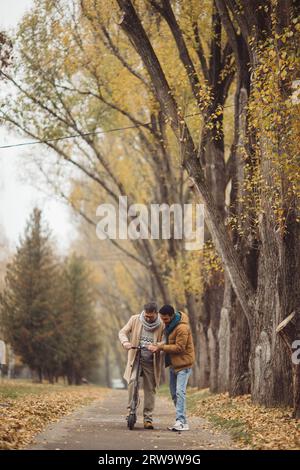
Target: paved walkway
x=102 y=426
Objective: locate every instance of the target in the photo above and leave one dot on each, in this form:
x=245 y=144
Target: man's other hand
x=153 y=348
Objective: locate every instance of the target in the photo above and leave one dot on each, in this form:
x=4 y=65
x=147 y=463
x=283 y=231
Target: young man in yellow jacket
x=180 y=356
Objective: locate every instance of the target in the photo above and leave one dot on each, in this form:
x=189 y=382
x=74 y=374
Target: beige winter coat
x=131 y=332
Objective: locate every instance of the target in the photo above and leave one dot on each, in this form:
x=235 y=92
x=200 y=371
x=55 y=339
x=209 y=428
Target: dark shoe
x=148 y=425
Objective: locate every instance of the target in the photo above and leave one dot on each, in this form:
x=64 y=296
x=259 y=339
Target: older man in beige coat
x=143 y=330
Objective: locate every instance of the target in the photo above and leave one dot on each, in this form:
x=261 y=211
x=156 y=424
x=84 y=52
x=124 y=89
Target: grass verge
x=250 y=426
x=26 y=408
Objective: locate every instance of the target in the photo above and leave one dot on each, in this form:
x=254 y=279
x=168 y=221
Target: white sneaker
x=179 y=426
x=177 y=423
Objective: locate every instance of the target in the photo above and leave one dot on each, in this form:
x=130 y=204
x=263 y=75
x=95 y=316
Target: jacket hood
x=184 y=318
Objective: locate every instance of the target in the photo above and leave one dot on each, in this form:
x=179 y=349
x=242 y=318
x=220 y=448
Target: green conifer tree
x=28 y=304
x=82 y=335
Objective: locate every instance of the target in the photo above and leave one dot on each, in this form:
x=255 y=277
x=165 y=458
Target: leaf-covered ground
x=26 y=408
x=250 y=425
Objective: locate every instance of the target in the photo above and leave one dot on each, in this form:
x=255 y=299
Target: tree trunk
x=78 y=379
x=224 y=338
x=70 y=379
x=204 y=364
x=107 y=370
x=271 y=373
x=239 y=377
x=40 y=374
x=287 y=331
x=193 y=312
x=278 y=277
x=70 y=375
x=212 y=302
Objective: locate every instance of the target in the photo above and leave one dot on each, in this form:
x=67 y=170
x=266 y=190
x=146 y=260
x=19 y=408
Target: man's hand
x=153 y=348
x=127 y=345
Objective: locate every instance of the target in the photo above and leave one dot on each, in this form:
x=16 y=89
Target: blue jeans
x=178 y=384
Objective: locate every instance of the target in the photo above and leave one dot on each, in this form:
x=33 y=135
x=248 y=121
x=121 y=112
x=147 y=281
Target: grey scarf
x=149 y=326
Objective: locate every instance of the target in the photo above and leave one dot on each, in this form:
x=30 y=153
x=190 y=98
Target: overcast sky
x=17 y=198
x=12 y=11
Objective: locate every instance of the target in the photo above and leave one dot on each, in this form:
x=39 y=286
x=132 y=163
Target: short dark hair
x=151 y=307
x=167 y=310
